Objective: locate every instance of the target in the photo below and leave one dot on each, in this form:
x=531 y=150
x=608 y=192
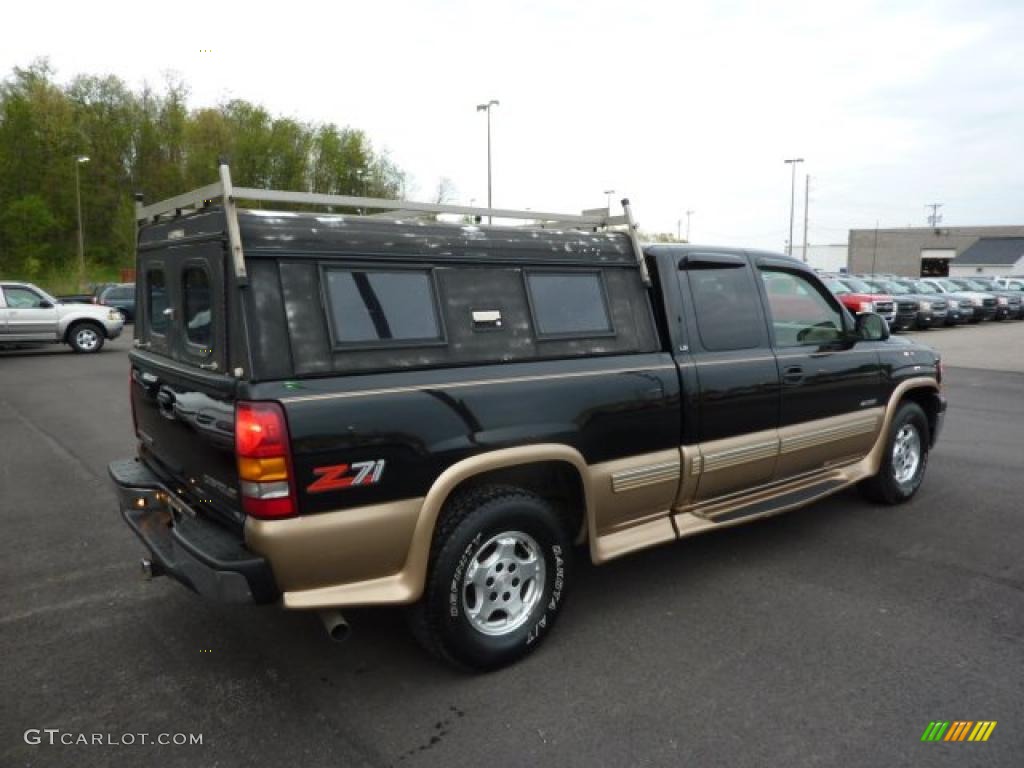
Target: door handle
x=793 y=374
x=165 y=402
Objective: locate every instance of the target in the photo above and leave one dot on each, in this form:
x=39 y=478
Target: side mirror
x=871 y=327
x=44 y=304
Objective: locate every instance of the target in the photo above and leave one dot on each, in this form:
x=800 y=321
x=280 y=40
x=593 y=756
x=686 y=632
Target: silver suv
x=28 y=313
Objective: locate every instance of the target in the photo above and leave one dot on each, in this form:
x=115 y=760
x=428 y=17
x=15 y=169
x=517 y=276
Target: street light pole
x=608 y=200
x=688 y=215
x=807 y=202
x=792 y=202
x=81 y=238
x=487 y=108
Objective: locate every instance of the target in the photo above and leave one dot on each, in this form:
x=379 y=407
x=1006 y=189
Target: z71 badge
x=339 y=476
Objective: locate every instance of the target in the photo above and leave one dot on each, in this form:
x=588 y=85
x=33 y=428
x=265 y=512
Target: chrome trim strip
x=700 y=362
x=474 y=383
x=641 y=477
x=827 y=435
x=735 y=456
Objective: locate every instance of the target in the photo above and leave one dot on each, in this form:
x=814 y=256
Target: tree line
x=147 y=141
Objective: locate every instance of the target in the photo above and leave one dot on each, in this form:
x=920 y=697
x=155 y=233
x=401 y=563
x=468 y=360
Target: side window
x=380 y=307
x=727 y=307
x=801 y=315
x=22 y=298
x=195 y=285
x=568 y=304
x=157 y=301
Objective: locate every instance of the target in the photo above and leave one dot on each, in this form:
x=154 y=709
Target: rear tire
x=905 y=458
x=499 y=568
x=86 y=337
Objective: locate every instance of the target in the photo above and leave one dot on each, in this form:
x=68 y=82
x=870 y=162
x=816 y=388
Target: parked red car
x=857 y=296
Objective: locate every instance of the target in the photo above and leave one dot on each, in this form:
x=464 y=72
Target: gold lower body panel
x=359 y=546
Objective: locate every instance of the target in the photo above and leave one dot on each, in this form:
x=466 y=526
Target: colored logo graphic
x=958 y=730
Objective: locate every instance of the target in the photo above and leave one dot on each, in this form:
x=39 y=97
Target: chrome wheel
x=87 y=339
x=503 y=583
x=906 y=453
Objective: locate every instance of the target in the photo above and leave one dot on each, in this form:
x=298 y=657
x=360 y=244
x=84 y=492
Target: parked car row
x=911 y=303
x=120 y=296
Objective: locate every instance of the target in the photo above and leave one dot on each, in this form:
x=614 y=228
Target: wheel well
x=558 y=482
x=929 y=403
x=85 y=321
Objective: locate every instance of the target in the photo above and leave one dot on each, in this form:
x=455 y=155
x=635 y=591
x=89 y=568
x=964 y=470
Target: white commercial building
x=827 y=258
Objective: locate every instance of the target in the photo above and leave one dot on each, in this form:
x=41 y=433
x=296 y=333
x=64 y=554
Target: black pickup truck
x=339 y=410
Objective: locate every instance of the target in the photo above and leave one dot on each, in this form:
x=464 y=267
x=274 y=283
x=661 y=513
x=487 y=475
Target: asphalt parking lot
x=828 y=636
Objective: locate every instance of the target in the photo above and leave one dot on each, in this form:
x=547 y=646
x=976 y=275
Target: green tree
x=26 y=226
x=146 y=141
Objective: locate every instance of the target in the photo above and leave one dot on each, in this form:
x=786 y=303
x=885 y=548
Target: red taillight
x=264 y=462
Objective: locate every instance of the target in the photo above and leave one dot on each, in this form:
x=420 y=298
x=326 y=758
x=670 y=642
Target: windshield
x=949 y=285
x=858 y=285
x=890 y=287
x=836 y=287
x=974 y=285
x=922 y=287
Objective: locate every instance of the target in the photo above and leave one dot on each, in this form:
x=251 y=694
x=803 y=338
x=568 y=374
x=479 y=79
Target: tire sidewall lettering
x=455 y=587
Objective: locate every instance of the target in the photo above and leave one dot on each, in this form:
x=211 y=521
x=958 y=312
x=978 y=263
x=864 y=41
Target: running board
x=796 y=498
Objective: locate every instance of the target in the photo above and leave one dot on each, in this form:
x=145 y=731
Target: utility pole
x=608 y=199
x=81 y=237
x=792 y=201
x=807 y=203
x=935 y=217
x=688 y=215
x=487 y=108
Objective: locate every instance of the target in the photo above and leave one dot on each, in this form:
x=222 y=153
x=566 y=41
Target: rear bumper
x=197 y=552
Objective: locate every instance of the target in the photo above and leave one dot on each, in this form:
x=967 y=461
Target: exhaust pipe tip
x=150 y=570
x=337 y=627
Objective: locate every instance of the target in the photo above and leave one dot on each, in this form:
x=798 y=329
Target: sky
x=677 y=105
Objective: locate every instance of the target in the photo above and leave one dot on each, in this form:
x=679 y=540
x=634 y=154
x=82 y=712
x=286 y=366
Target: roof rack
x=594 y=219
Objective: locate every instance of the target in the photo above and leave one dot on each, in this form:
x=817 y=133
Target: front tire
x=904 y=460
x=86 y=337
x=498 y=572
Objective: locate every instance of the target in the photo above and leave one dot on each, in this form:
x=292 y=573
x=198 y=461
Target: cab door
x=830 y=403
x=28 y=315
x=736 y=375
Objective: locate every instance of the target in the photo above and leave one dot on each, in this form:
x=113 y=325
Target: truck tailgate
x=185 y=421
